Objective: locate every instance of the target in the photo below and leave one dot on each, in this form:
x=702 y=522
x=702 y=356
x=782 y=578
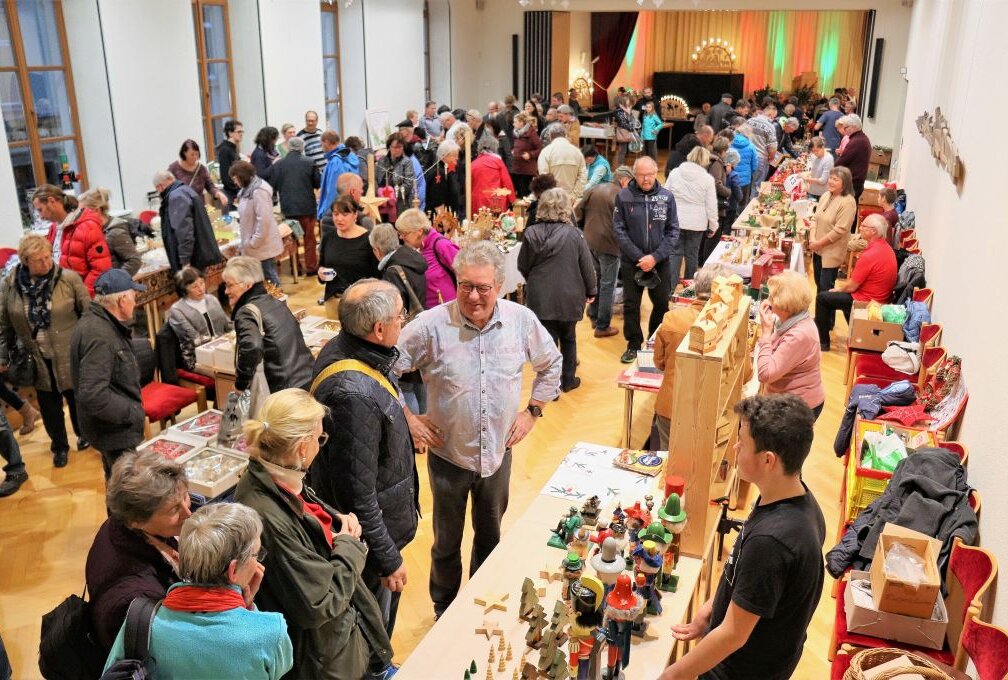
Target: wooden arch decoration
x=713 y=56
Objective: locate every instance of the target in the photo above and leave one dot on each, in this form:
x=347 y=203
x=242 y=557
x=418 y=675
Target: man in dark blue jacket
x=647 y=231
x=367 y=466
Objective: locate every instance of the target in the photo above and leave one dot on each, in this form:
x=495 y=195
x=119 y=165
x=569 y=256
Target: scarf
x=782 y=327
x=252 y=186
x=190 y=597
x=169 y=553
x=520 y=132
x=288 y=478
x=38 y=292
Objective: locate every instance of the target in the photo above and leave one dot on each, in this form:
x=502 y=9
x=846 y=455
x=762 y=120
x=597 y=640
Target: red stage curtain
x=610 y=36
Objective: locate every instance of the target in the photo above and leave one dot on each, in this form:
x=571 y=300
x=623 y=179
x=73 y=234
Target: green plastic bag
x=894 y=314
x=882 y=451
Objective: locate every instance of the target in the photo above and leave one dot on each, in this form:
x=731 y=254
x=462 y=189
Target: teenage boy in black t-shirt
x=755 y=626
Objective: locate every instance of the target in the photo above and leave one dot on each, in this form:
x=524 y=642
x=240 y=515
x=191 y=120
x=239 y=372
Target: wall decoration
x=713 y=56
x=935 y=129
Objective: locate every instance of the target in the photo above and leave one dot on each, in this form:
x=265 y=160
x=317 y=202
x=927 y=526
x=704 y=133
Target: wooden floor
x=47 y=527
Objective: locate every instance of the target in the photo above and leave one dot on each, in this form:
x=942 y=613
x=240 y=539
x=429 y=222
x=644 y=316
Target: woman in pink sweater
x=788 y=355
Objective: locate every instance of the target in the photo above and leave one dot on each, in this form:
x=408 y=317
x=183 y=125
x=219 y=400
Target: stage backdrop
x=772 y=46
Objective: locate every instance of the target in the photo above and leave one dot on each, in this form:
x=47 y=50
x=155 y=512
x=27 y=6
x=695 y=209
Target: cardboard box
x=864 y=618
x=214 y=471
x=900 y=597
x=870 y=335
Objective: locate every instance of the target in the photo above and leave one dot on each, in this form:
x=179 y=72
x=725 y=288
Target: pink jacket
x=789 y=363
x=440 y=281
x=260 y=234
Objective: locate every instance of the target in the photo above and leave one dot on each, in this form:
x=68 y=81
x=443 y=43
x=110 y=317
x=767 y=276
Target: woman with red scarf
x=314 y=556
x=207 y=625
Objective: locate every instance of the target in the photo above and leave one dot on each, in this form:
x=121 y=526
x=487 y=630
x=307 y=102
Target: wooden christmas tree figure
x=489 y=675
x=510 y=654
x=501 y=645
x=536 y=626
x=558 y=669
x=547 y=651
x=500 y=665
x=490 y=657
x=529 y=600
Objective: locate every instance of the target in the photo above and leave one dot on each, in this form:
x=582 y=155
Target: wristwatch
x=536 y=411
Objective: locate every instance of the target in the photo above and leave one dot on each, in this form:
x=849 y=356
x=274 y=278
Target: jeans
x=688 y=248
x=606 y=268
x=826 y=306
x=450 y=488
x=825 y=277
x=664 y=431
x=621 y=152
x=746 y=197
x=53 y=418
x=415 y=395
x=9 y=448
x=632 y=294
x=388 y=602
x=564 y=334
x=270 y=271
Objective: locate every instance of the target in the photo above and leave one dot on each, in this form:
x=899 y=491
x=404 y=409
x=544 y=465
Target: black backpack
x=68 y=648
x=137 y=663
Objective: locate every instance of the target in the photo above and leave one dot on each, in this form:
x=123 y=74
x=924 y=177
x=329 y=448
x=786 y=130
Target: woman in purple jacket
x=415 y=230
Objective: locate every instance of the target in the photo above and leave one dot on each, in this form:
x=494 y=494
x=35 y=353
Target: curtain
x=610 y=37
x=771 y=47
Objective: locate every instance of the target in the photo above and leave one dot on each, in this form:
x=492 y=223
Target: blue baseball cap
x=117 y=281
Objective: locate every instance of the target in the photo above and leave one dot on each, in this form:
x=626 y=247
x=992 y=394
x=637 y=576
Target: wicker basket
x=870 y=658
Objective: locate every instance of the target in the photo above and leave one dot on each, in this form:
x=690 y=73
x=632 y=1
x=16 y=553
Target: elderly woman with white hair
x=268 y=337
x=696 y=206
x=856 y=154
x=443 y=189
x=208 y=625
x=490 y=177
x=416 y=231
x=559 y=276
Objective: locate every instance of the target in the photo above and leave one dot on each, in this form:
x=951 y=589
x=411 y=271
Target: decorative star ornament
x=906 y=415
x=489 y=628
x=491 y=601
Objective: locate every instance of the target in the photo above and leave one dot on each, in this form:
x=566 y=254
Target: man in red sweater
x=873 y=279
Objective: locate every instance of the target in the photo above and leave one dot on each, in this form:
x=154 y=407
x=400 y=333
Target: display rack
x=705 y=427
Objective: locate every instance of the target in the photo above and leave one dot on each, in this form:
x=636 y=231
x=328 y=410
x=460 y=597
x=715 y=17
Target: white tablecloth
x=512 y=277
x=745 y=270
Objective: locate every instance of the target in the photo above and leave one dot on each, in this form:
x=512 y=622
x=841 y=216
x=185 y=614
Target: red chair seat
x=872 y=365
x=161 y=400
x=841 y=662
x=194 y=377
x=843 y=637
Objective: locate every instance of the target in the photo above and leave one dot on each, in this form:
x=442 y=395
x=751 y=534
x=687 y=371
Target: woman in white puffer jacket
x=696 y=207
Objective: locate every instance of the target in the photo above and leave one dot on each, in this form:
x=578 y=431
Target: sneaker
x=606 y=332
x=573 y=386
x=83 y=444
x=61 y=458
x=385 y=674
x=629 y=356
x=13 y=483
x=29 y=416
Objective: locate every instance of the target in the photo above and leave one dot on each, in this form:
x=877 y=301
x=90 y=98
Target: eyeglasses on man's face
x=467 y=287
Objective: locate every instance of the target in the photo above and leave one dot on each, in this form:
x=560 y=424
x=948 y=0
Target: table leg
x=627 y=417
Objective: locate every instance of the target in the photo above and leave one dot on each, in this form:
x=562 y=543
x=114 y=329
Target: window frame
x=333 y=9
x=203 y=66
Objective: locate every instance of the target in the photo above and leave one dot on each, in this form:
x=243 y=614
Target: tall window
x=331 y=67
x=213 y=52
x=37 y=98
x=426 y=50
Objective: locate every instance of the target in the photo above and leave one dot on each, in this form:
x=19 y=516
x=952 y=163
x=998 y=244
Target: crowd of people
x=305 y=569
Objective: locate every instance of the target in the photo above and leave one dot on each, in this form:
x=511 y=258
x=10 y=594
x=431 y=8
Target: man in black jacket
x=367 y=466
x=647 y=231
x=295 y=179
x=721 y=113
x=227 y=153
x=105 y=373
x=393 y=259
x=185 y=226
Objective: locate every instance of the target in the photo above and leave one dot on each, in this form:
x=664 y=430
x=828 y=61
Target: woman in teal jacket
x=650 y=127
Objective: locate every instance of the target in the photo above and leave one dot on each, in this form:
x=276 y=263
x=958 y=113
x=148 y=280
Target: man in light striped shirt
x=312 y=137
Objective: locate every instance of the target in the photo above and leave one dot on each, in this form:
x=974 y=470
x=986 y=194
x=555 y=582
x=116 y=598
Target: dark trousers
x=746 y=196
x=632 y=294
x=651 y=148
x=521 y=185
x=108 y=459
x=308 y=224
x=687 y=249
x=53 y=418
x=858 y=190
x=10 y=396
x=564 y=334
x=450 y=488
x=710 y=243
x=826 y=307
x=817 y=411
x=388 y=602
x=825 y=277
x=621 y=152
x=9 y=448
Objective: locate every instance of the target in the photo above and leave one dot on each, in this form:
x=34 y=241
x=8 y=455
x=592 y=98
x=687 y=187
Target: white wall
x=291 y=61
x=247 y=65
x=892 y=23
x=353 y=73
x=580 y=45
x=440 y=51
x=151 y=52
x=10 y=212
x=956 y=52
x=394 y=46
x=481 y=51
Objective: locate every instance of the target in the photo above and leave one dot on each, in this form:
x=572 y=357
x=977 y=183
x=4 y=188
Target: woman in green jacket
x=314 y=555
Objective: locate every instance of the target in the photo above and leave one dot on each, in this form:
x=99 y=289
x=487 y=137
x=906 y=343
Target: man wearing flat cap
x=721 y=113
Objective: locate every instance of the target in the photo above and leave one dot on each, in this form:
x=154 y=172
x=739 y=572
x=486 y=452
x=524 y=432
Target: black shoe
x=576 y=383
x=13 y=483
x=629 y=356
x=60 y=458
x=83 y=444
x=824 y=346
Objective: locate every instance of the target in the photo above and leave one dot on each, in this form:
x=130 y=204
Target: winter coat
x=281 y=347
x=121 y=246
x=443 y=189
x=746 y=167
x=695 y=197
x=397 y=173
x=595 y=212
x=856 y=157
x=122 y=565
x=832 y=220
x=867 y=401
x=565 y=162
x=651 y=126
x=599 y=172
x=227 y=154
x=367 y=467
x=527 y=143
x=106 y=379
x=558 y=270
x=414 y=267
x=260 y=234
x=927 y=493
x=68 y=302
x=83 y=247
x=677 y=156
x=332 y=618
x=440 y=252
x=645 y=223
x=191 y=328
x=719 y=172
x=263 y=162
x=337 y=161
x=186 y=230
x=625 y=120
x=295 y=179
x=719 y=116
x=490 y=173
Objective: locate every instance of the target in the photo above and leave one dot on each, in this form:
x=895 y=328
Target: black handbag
x=22 y=370
x=68 y=649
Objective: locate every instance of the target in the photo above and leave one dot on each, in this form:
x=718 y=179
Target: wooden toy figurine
x=572 y=566
x=623 y=606
x=647 y=563
x=536 y=626
x=565 y=529
x=587 y=638
x=662 y=538
x=529 y=600
x=673 y=518
x=608 y=564
x=590 y=511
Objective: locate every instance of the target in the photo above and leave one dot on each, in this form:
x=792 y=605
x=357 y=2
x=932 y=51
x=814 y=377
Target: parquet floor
x=47 y=527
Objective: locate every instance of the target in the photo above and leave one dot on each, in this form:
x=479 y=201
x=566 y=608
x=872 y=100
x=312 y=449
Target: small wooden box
x=894 y=595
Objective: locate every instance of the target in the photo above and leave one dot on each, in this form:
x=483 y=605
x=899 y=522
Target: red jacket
x=489 y=173
x=528 y=143
x=83 y=248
